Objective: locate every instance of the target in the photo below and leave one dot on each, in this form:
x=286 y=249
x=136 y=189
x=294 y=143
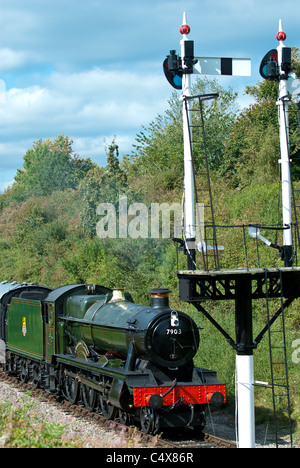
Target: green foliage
x=91 y=189
x=22 y=427
x=49 y=166
x=102 y=185
x=157 y=160
x=253 y=147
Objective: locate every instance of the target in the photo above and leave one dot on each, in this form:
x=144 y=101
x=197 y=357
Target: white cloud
x=93 y=69
x=109 y=96
x=88 y=106
x=12 y=59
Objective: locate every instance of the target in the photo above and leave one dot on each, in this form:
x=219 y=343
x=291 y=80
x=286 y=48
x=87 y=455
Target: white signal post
x=188 y=163
x=202 y=66
x=244 y=363
x=245 y=401
x=283 y=103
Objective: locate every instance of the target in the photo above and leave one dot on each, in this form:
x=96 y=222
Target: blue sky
x=93 y=69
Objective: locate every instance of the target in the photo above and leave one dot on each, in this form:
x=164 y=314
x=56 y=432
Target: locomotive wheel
x=71 y=389
x=124 y=417
x=35 y=373
x=89 y=396
x=107 y=409
x=24 y=371
x=147 y=419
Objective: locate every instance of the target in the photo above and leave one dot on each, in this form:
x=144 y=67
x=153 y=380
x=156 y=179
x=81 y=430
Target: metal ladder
x=296 y=212
x=207 y=232
x=279 y=371
x=295 y=191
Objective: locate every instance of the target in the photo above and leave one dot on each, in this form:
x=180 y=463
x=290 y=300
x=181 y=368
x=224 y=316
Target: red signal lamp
x=185 y=29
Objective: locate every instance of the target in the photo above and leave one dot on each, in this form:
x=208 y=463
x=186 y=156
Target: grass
x=23 y=426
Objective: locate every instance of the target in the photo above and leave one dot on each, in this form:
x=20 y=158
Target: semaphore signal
x=175 y=66
x=241 y=285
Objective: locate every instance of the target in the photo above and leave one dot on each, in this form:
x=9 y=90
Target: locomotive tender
x=93 y=345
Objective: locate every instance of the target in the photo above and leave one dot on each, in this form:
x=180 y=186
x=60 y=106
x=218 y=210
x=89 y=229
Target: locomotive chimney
x=160 y=298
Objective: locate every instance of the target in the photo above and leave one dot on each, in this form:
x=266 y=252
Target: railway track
x=183 y=441
x=186 y=439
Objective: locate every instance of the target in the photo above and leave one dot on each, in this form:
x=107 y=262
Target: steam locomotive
x=95 y=346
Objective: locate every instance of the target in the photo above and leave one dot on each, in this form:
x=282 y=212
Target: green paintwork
x=50 y=332
x=101 y=324
x=25 y=328
x=77 y=306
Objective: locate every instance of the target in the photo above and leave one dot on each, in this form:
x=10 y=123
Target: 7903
x=173 y=331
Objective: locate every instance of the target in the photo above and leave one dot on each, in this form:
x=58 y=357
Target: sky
x=92 y=69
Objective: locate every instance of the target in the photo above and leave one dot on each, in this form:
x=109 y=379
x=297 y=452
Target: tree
x=253 y=149
x=50 y=165
x=102 y=185
x=91 y=189
x=115 y=176
x=157 y=159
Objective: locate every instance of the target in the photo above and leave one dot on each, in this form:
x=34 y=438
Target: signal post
x=240 y=285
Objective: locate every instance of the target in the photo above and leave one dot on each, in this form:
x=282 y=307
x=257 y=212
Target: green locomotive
x=95 y=345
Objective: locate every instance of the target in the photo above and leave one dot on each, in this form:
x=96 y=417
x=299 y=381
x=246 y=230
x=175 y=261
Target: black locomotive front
x=164 y=336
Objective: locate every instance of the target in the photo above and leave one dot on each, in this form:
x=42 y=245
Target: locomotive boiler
x=166 y=337
x=95 y=345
